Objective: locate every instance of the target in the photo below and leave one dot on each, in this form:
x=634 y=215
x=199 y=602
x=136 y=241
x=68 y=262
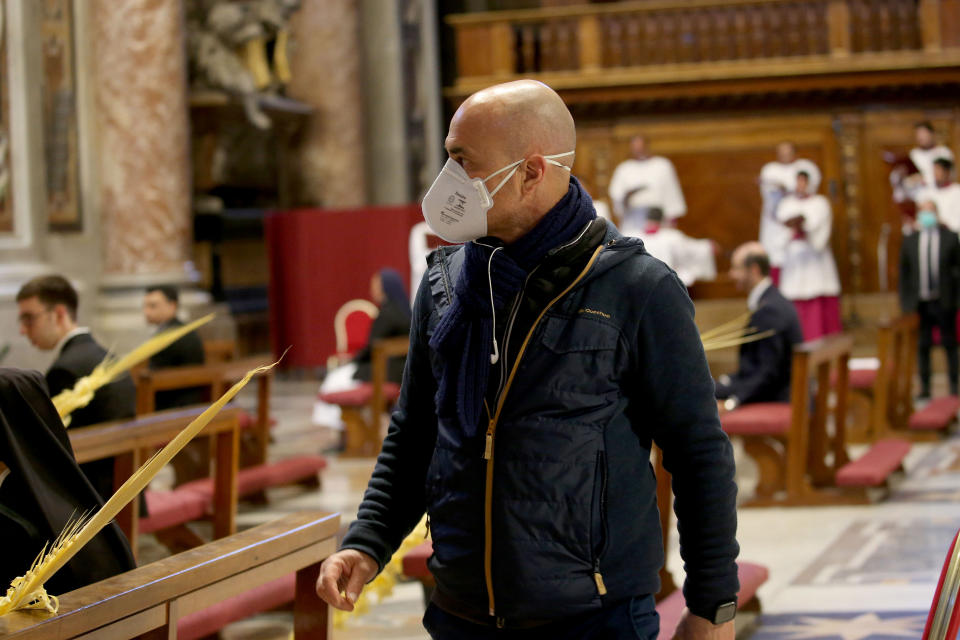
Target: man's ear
x=60 y=311
x=533 y=169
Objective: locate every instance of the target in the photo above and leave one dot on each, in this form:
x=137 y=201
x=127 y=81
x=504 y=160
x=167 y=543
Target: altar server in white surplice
x=925 y=153
x=641 y=183
x=808 y=275
x=691 y=258
x=777 y=180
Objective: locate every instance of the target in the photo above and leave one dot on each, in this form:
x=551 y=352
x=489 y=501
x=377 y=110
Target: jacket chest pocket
x=580 y=354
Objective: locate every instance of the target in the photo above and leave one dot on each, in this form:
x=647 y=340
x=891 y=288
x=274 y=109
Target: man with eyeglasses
x=48 y=318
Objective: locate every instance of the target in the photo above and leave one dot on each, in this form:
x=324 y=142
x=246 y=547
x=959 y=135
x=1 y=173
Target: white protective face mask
x=455 y=207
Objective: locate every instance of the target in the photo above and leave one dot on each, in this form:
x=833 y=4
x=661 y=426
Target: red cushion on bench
x=671 y=608
x=760 y=418
x=264 y=476
x=936 y=415
x=872 y=468
x=862 y=378
x=170 y=508
x=361 y=395
x=259 y=599
x=415 y=562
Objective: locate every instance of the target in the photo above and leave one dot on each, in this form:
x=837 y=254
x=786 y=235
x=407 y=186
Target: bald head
x=520 y=121
x=749 y=265
x=529 y=116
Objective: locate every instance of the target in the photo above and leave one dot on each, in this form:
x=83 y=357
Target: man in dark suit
x=160 y=306
x=48 y=317
x=929 y=286
x=765 y=364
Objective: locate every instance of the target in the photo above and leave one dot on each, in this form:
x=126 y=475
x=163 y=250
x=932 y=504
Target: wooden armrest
x=389 y=347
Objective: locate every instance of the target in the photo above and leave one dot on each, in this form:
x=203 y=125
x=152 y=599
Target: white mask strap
x=513 y=166
x=551 y=160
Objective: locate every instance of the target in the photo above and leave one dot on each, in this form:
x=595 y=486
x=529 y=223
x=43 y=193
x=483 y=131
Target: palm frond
x=27 y=590
x=107 y=371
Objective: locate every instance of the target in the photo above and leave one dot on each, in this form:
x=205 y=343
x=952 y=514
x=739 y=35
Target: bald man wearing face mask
x=548 y=353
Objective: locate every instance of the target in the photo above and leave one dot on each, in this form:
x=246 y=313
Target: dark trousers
x=933 y=314
x=627 y=620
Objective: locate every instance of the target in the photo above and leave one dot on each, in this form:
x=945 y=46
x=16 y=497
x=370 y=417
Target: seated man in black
x=42 y=489
x=764 y=370
x=48 y=317
x=160 y=307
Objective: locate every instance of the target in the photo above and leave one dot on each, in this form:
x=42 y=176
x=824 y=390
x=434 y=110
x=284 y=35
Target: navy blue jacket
x=763 y=374
x=614 y=363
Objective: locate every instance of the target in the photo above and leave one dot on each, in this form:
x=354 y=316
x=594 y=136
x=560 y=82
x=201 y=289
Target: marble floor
x=847 y=573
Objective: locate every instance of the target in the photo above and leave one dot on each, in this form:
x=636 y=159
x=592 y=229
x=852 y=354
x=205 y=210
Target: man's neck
x=72 y=330
x=757 y=291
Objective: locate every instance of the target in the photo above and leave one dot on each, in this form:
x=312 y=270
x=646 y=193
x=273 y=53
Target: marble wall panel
x=143 y=147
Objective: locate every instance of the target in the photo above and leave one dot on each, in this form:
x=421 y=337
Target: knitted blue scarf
x=464 y=335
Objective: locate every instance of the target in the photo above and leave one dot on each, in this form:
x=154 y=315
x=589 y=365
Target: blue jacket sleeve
x=676 y=392
x=395 y=500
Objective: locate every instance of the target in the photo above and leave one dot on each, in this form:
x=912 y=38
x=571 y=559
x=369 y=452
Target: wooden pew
x=151 y=600
x=217 y=377
x=126 y=440
x=363 y=407
x=894 y=414
x=215 y=351
x=798 y=455
x=882 y=401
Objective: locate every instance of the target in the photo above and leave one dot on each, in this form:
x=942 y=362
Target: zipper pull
x=488 y=447
x=601 y=588
x=427 y=533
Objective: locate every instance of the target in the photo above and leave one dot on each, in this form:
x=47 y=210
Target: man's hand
x=693 y=627
x=343 y=576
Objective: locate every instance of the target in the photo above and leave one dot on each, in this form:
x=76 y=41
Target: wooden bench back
x=151 y=599
x=893 y=391
x=215 y=351
x=218 y=377
x=815 y=365
x=129 y=442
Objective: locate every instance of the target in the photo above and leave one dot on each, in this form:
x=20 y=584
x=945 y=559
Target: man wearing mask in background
x=547 y=354
x=946 y=194
x=929 y=286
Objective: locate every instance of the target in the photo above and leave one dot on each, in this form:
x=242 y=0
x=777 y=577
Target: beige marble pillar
x=139 y=103
x=326 y=64
x=140 y=97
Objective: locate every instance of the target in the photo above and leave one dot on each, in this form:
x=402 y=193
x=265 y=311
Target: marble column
x=326 y=64
x=139 y=100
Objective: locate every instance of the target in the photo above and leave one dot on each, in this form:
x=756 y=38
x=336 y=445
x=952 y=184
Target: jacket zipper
x=602 y=470
x=488 y=449
x=516 y=308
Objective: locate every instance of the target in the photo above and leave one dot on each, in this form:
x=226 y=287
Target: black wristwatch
x=724 y=612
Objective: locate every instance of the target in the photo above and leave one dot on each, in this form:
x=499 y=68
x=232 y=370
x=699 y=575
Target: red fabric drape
x=321 y=258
